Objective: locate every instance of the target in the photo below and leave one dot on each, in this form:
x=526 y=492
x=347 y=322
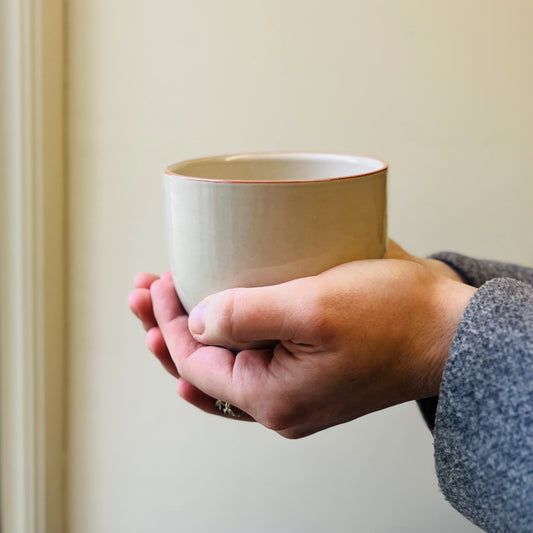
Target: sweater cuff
x=476 y=272
x=484 y=421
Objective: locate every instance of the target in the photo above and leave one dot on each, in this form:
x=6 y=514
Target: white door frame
x=32 y=266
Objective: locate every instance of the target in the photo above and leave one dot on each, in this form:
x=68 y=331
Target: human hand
x=355 y=339
x=140 y=303
x=439 y=268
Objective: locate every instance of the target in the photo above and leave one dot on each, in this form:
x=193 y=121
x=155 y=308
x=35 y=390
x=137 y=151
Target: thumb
x=248 y=318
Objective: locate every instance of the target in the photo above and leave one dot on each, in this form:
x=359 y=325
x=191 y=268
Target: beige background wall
x=441 y=90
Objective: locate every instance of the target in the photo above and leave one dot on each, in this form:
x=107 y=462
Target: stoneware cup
x=250 y=220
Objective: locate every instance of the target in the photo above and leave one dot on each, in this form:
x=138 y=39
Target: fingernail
x=197 y=319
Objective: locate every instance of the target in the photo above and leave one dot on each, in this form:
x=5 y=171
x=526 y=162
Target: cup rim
x=173 y=170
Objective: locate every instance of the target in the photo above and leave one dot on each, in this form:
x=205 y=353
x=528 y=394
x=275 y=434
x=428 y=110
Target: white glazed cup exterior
x=224 y=233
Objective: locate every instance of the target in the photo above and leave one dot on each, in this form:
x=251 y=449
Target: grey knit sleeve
x=483 y=434
x=475 y=272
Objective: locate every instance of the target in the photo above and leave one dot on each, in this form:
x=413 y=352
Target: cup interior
x=286 y=167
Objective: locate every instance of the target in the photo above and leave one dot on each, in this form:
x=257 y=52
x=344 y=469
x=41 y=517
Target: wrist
x=440 y=268
x=452 y=298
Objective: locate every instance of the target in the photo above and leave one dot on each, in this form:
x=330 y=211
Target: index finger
x=143 y=280
x=210 y=368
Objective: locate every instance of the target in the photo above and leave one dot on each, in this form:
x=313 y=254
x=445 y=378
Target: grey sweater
x=482 y=421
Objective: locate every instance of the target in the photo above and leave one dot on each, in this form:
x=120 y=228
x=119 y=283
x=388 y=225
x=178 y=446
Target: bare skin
x=355 y=339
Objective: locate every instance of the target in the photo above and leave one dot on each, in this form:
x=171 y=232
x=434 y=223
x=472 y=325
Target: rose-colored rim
x=168 y=172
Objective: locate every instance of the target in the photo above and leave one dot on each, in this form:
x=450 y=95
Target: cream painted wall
x=441 y=90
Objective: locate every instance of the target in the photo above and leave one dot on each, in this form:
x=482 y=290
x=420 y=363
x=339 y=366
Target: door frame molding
x=32 y=266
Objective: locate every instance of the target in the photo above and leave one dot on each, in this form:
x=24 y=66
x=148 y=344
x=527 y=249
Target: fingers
x=156 y=344
x=209 y=368
x=196 y=397
x=212 y=369
x=239 y=317
x=439 y=268
x=172 y=315
x=143 y=280
x=140 y=303
x=165 y=302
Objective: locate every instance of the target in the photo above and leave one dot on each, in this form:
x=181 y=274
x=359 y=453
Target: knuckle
x=293 y=433
x=151 y=338
x=277 y=417
x=320 y=310
x=227 y=313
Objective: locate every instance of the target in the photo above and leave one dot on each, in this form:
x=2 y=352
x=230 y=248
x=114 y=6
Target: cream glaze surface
x=246 y=232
